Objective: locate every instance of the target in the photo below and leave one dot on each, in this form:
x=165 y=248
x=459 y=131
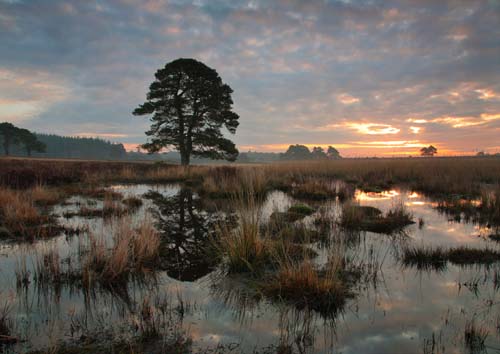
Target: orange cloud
x=28 y=93
x=373 y=128
x=347 y=99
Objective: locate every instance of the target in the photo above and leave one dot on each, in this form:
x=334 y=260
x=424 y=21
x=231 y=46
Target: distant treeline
x=21 y=142
x=79 y=147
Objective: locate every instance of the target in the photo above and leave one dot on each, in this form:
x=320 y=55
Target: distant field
x=458 y=175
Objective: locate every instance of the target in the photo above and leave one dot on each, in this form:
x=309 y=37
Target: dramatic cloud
x=312 y=72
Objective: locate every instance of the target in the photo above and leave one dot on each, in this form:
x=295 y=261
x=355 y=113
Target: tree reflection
x=185 y=228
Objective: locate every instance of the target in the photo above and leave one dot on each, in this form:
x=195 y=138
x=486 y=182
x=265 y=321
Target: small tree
x=332 y=153
x=30 y=142
x=428 y=151
x=10 y=136
x=318 y=153
x=297 y=152
x=190 y=104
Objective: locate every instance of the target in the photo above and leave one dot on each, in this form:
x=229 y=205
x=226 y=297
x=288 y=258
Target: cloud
x=373 y=128
x=347 y=99
x=28 y=93
x=316 y=72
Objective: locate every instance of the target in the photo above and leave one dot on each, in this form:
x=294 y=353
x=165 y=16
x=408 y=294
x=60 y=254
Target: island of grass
x=367 y=218
x=294 y=213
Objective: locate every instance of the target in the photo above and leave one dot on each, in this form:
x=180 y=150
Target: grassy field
x=274 y=258
x=454 y=175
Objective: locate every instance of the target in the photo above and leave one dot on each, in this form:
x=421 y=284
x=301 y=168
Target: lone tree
x=190 y=104
x=428 y=151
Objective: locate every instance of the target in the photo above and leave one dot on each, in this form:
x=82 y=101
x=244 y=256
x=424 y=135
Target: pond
x=400 y=310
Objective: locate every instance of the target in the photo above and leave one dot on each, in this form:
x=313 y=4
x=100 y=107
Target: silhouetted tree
x=190 y=104
x=333 y=153
x=30 y=142
x=297 y=152
x=10 y=136
x=428 y=151
x=318 y=153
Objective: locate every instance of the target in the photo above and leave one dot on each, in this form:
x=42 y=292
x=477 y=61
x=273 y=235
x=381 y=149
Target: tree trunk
x=184 y=158
x=6 y=147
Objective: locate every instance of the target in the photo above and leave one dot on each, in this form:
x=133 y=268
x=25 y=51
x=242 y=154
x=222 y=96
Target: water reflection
x=186 y=229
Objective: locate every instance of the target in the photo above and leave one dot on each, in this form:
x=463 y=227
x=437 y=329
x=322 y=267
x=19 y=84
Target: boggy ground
x=313 y=255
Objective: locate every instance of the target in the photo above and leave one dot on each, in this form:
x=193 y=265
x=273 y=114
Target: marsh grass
x=6 y=336
x=21 y=218
x=133 y=251
x=318 y=188
x=484 y=210
x=366 y=218
x=132 y=202
x=226 y=182
x=475 y=337
x=244 y=248
x=112 y=206
x=302 y=284
x=294 y=213
x=437 y=176
x=436 y=258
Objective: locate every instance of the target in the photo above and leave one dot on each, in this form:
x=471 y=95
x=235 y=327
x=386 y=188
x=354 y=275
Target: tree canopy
x=190 y=105
x=302 y=152
x=428 y=151
x=12 y=135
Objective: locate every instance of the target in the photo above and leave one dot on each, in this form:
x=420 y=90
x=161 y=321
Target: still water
x=404 y=310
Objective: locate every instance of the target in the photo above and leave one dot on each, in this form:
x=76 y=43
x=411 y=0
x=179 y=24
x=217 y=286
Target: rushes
x=244 y=248
x=20 y=217
x=303 y=284
x=428 y=258
x=475 y=337
x=5 y=325
x=366 y=218
x=132 y=250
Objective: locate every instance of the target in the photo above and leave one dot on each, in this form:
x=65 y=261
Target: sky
x=372 y=78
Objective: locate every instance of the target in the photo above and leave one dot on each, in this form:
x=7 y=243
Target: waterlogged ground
x=400 y=310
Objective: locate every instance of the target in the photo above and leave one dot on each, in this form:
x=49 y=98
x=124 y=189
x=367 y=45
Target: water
x=403 y=311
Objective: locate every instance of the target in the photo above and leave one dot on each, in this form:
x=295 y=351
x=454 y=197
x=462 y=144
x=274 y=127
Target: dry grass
x=41 y=195
x=314 y=188
x=22 y=218
x=445 y=176
x=302 y=283
x=132 y=250
x=366 y=218
x=243 y=248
